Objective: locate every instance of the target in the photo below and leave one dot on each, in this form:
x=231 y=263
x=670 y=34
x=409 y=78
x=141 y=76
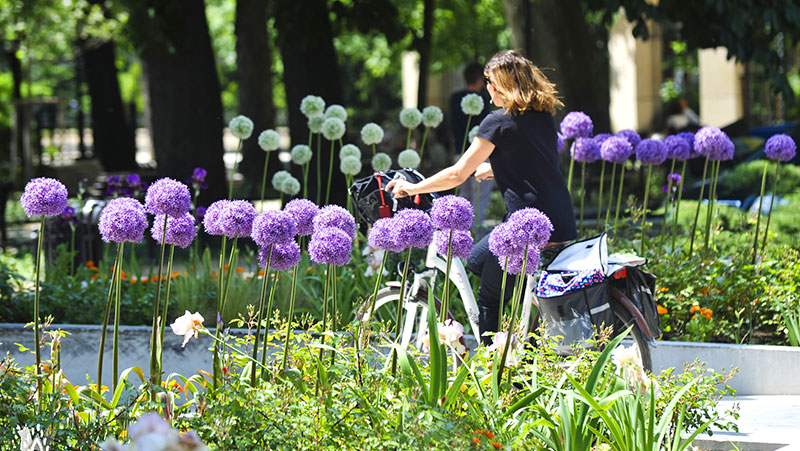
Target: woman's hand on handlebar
x=400 y=188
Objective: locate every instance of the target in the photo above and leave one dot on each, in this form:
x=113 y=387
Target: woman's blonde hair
x=523 y=85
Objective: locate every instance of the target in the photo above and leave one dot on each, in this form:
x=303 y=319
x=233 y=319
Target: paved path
x=766 y=423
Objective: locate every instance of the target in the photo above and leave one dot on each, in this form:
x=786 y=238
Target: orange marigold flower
x=175 y=274
x=662 y=289
x=133 y=281
x=476 y=440
x=661 y=310
x=226 y=266
x=707 y=316
x=261 y=273
x=694 y=308
x=694 y=316
x=496 y=445
x=91 y=265
x=239 y=269
x=489 y=434
x=174 y=384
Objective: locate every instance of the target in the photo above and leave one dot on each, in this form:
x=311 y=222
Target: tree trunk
x=305 y=39
x=254 y=70
x=555 y=36
x=15 y=66
x=114 y=141
x=424 y=50
x=183 y=90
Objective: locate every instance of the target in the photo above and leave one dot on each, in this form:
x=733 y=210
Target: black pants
x=483 y=263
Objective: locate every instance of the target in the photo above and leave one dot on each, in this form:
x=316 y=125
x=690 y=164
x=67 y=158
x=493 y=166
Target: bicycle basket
x=366 y=195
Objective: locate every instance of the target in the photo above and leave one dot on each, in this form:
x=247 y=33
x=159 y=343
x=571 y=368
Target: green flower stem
x=234 y=256
x=400 y=309
x=644 y=209
x=37 y=340
x=408 y=139
x=569 y=175
x=347 y=182
x=319 y=166
x=476 y=224
x=163 y=319
x=234 y=349
x=711 y=194
x=667 y=202
x=289 y=319
x=611 y=193
x=771 y=204
x=330 y=175
x=155 y=371
x=106 y=315
x=583 y=195
x=600 y=197
x=677 y=207
x=324 y=320
x=305 y=181
x=466 y=133
x=334 y=321
x=71 y=249
x=699 y=202
x=264 y=180
x=218 y=329
x=377 y=285
x=117 y=305
x=446 y=292
x=758 y=214
x=502 y=296
x=513 y=321
x=421 y=146
x=619 y=196
x=233 y=171
x=260 y=315
x=268 y=317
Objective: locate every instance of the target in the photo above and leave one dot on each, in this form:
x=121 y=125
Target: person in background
x=520 y=142
x=473 y=77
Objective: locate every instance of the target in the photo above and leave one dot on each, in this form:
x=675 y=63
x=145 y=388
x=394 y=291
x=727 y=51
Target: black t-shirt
x=525 y=166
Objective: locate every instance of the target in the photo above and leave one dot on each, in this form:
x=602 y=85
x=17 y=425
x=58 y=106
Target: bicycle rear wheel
x=641 y=344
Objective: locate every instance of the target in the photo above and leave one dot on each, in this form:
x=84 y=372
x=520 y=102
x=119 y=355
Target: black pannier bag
x=572 y=317
x=370 y=197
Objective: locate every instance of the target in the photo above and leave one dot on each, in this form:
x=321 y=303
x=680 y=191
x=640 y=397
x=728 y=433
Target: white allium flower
x=472 y=104
x=269 y=140
x=315 y=124
x=410 y=117
x=312 y=106
x=241 y=127
x=408 y=158
x=187 y=325
x=301 y=154
x=473 y=133
x=278 y=178
x=381 y=162
x=432 y=116
x=349 y=150
x=350 y=165
x=371 y=134
x=336 y=111
x=333 y=128
x=290 y=186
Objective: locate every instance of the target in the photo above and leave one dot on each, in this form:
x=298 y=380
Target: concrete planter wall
x=763 y=370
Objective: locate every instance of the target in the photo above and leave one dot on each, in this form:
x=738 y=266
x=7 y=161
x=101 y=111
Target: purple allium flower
x=780 y=148
x=123 y=219
x=689 y=138
x=284 y=256
x=515 y=262
x=236 y=220
x=676 y=181
x=200 y=213
x=212 y=219
x=133 y=180
x=585 y=150
x=503 y=242
x=462 y=243
x=44 y=197
x=273 y=227
x=198 y=179
x=631 y=136
x=412 y=228
x=181 y=230
x=330 y=246
x=600 y=138
x=532 y=226
x=380 y=236
x=712 y=142
x=452 y=212
x=576 y=124
x=560 y=144
x=303 y=211
x=168 y=197
x=335 y=216
x=677 y=148
x=68 y=217
x=616 y=150
x=651 y=151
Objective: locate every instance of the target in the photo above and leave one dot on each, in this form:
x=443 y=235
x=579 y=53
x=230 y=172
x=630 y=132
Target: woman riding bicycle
x=520 y=142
